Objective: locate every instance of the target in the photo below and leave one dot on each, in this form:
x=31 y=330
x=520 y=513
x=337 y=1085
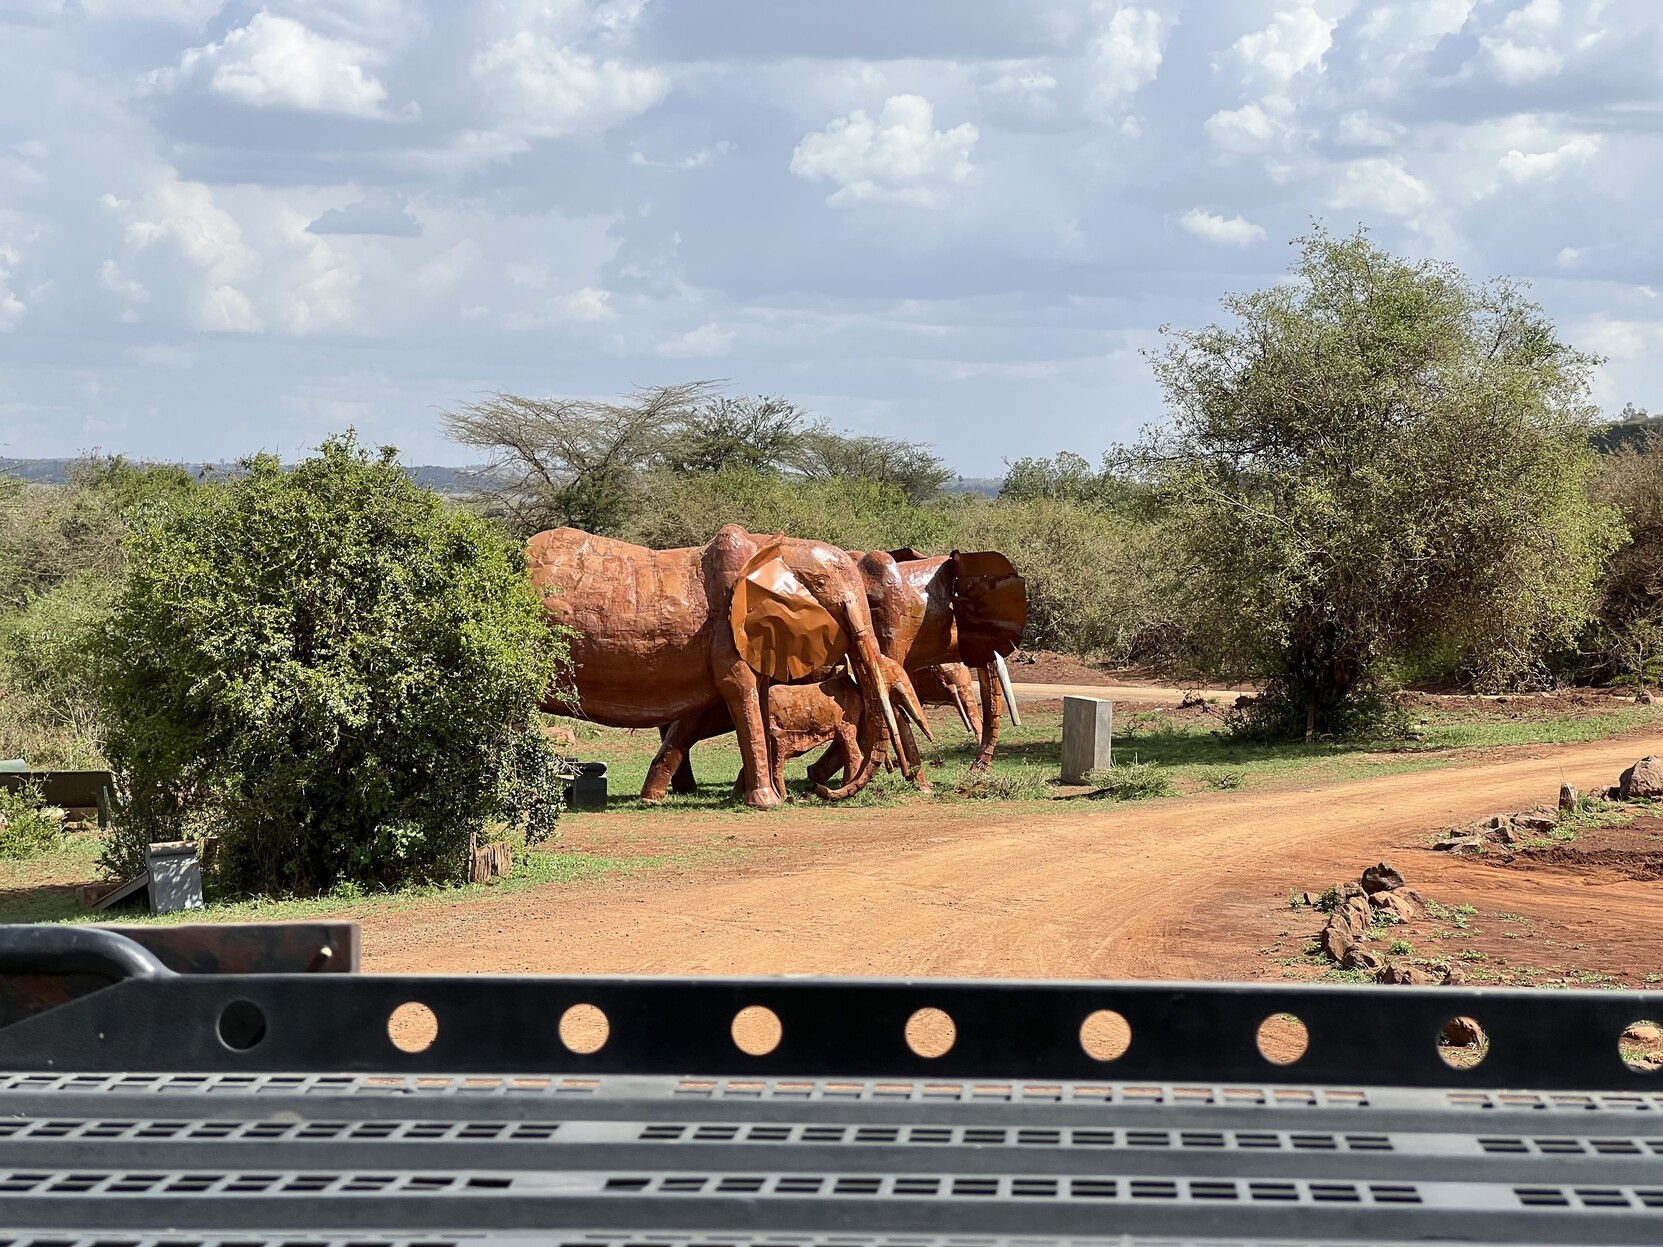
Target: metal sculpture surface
x=668 y=635
x=961 y=608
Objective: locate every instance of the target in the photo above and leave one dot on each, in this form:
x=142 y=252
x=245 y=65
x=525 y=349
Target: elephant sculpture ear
x=779 y=628
x=990 y=604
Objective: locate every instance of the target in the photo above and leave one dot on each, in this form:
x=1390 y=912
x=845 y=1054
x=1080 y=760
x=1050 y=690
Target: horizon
x=231 y=226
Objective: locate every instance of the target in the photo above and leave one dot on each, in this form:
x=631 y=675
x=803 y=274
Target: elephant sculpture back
x=641 y=626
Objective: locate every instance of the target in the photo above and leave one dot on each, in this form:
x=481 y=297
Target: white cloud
x=1381 y=184
x=1621 y=339
x=1359 y=129
x=115 y=281
x=552 y=90
x=1223 y=231
x=1531 y=42
x=1126 y=56
x=1569 y=257
x=593 y=303
x=275 y=62
x=206 y=237
x=1296 y=40
x=704 y=341
x=1249 y=128
x=12 y=308
x=1530 y=166
x=899 y=158
x=225 y=309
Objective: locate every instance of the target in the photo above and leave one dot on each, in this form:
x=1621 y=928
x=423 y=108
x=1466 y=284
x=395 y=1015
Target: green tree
x=570 y=462
x=913 y=468
x=61 y=564
x=750 y=434
x=1377 y=463
x=332 y=670
x=1626 y=643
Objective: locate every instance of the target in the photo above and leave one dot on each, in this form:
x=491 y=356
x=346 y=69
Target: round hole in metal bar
x=1641 y=1046
x=1105 y=1035
x=1282 y=1039
x=757 y=1030
x=1462 y=1042
x=242 y=1024
x=412 y=1027
x=931 y=1033
x=584 y=1029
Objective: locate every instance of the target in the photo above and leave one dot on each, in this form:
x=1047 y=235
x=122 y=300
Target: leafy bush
x=1625 y=645
x=333 y=670
x=1129 y=781
x=1100 y=579
x=27 y=828
x=61 y=565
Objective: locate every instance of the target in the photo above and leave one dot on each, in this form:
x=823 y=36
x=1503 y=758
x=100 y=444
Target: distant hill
x=440 y=479
x=987 y=486
x=1636 y=429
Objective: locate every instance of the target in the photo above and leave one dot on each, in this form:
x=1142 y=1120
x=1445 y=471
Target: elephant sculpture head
x=967 y=606
x=787 y=636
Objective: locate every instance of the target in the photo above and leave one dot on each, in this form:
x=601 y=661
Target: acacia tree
x=1377 y=463
x=607 y=467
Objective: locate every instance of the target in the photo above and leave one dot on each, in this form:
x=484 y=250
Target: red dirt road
x=1169 y=889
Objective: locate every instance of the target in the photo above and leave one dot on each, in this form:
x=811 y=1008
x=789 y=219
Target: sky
x=229 y=227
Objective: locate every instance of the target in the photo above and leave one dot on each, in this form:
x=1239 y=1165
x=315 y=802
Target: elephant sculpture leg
x=681 y=782
x=673 y=758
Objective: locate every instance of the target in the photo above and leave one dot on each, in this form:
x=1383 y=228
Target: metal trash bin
x=586 y=789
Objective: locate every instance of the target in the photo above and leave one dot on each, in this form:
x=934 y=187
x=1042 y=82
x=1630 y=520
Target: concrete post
x=1087 y=730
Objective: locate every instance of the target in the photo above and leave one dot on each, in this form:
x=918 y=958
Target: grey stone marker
x=175 y=877
x=1087 y=728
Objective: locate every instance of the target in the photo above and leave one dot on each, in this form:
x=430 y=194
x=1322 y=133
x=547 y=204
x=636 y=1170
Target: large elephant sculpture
x=667 y=635
x=966 y=607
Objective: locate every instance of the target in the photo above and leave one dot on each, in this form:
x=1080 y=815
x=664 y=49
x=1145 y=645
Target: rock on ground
x=1567 y=797
x=1463 y=1032
x=1411 y=976
x=1644 y=1032
x=1643 y=779
x=1403 y=908
x=1381 y=878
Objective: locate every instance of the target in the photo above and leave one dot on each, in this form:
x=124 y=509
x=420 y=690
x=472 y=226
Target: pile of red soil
x=1630 y=851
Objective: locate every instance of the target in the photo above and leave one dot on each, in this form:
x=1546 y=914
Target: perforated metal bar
x=134 y=1117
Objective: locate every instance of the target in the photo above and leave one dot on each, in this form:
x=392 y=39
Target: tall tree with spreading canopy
x=1377 y=464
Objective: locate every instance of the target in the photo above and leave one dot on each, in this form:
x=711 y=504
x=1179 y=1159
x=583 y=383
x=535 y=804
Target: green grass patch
x=23 y=900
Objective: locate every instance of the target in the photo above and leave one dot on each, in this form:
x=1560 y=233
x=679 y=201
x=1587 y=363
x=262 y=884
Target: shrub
x=1130 y=781
x=332 y=669
x=28 y=829
x=1014 y=783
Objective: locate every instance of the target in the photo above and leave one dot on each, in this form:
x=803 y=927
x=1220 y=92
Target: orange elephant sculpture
x=663 y=636
x=965 y=609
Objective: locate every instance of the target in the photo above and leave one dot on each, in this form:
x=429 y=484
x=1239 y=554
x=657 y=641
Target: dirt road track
x=1168 y=889
x=1142 y=694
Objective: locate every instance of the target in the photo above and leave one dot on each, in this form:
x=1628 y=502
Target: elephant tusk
x=1005 y=687
x=915 y=716
x=964 y=711
x=888 y=711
